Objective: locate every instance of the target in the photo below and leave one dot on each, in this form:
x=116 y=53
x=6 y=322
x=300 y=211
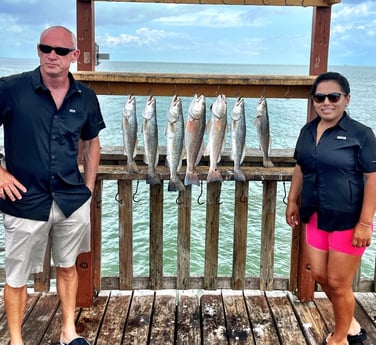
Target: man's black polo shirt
x=333 y=182
x=41 y=143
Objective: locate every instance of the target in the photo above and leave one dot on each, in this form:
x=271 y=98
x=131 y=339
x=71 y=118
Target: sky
x=131 y=31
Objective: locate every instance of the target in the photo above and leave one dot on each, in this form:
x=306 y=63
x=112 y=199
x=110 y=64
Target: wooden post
x=86 y=268
x=184 y=239
x=268 y=234
x=156 y=236
x=318 y=65
x=125 y=234
x=86 y=62
x=212 y=235
x=240 y=236
x=86 y=35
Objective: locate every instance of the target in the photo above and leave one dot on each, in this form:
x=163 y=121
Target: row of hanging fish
x=186 y=140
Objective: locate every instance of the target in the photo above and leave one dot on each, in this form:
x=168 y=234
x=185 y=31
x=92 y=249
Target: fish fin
x=156 y=158
x=214 y=176
x=267 y=163
x=132 y=167
x=239 y=175
x=243 y=155
x=191 y=178
x=153 y=179
x=135 y=149
x=175 y=185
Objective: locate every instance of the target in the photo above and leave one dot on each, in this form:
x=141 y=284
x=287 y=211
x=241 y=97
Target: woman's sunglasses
x=333 y=97
x=58 y=50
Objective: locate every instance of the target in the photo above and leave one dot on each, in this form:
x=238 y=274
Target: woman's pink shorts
x=340 y=241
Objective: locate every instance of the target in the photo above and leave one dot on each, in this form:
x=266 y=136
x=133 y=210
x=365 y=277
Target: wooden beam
x=304 y=3
x=86 y=35
x=165 y=84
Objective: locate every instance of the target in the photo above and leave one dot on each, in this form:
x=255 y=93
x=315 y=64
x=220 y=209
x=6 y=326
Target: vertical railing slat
x=156 y=236
x=268 y=234
x=240 y=235
x=42 y=279
x=184 y=239
x=125 y=234
x=212 y=234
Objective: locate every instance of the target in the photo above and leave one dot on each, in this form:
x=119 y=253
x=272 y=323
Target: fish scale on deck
x=186 y=140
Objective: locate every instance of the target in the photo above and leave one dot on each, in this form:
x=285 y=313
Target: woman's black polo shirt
x=41 y=143
x=333 y=182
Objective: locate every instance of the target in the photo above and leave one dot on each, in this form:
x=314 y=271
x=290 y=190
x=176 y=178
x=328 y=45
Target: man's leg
x=15 y=305
x=67 y=284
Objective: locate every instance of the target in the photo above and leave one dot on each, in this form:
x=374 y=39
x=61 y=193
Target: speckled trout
x=238 y=130
x=262 y=123
x=175 y=143
x=150 y=135
x=216 y=128
x=129 y=126
x=193 y=137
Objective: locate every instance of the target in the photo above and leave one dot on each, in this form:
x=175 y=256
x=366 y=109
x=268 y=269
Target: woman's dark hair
x=334 y=76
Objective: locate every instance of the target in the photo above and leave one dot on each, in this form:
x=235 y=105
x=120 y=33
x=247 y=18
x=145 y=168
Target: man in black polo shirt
x=45 y=113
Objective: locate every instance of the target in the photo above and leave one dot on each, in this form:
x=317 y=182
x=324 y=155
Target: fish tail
x=153 y=178
x=267 y=163
x=239 y=175
x=132 y=167
x=175 y=185
x=191 y=178
x=214 y=176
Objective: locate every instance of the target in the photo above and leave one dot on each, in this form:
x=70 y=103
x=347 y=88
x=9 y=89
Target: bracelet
x=366 y=225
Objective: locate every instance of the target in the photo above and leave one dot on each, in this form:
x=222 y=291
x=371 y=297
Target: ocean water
x=287 y=116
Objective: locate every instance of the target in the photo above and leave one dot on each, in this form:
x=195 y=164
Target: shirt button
x=52 y=177
x=53 y=156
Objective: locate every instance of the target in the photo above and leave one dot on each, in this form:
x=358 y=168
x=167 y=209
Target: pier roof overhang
x=304 y=3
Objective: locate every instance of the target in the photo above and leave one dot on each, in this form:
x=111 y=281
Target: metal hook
x=285 y=194
x=201 y=192
x=117 y=199
x=136 y=191
x=179 y=199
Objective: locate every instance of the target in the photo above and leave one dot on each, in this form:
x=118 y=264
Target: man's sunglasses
x=333 y=97
x=58 y=50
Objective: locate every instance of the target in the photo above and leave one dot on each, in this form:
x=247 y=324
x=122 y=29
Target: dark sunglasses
x=58 y=50
x=333 y=97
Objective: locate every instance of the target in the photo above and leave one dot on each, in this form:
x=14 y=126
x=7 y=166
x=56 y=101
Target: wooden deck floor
x=190 y=317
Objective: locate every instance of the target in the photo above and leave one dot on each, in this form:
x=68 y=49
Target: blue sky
x=197 y=33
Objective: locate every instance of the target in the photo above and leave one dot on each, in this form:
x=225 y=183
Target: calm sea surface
x=286 y=118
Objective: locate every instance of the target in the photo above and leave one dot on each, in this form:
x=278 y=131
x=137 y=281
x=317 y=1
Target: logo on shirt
x=72 y=110
x=340 y=137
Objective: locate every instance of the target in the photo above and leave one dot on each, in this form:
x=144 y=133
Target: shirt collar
x=39 y=85
x=344 y=123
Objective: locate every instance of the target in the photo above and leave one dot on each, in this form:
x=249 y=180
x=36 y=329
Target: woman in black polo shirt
x=335 y=175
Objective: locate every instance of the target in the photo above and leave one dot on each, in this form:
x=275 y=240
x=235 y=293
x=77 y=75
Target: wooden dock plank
x=188 y=330
x=138 y=323
x=39 y=318
x=191 y=317
x=115 y=318
x=284 y=318
x=164 y=314
x=263 y=327
x=310 y=320
x=90 y=319
x=238 y=326
x=31 y=302
x=365 y=313
x=213 y=319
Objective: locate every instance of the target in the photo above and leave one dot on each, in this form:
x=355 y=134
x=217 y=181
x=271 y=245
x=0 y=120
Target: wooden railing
x=112 y=167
